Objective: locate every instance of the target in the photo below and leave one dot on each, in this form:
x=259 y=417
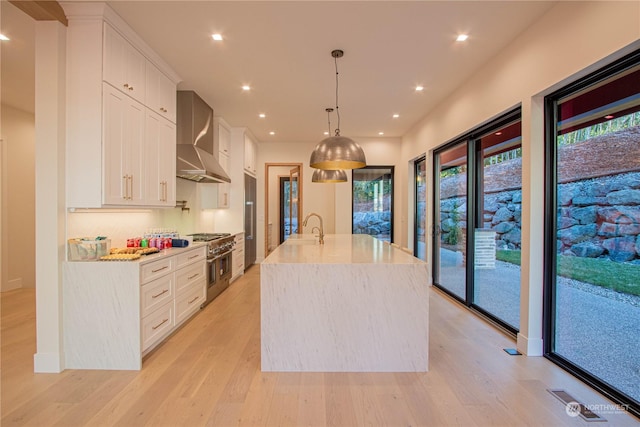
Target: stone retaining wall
x=599 y=202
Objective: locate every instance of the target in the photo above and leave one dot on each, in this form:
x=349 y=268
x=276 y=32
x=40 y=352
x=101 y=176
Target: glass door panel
x=596 y=230
x=450 y=217
x=421 y=209
x=497 y=235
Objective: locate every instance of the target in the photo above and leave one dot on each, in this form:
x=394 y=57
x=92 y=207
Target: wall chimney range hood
x=195 y=146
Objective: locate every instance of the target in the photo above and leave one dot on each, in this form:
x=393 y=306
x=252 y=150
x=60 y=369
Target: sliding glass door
x=593 y=230
x=477 y=215
x=420 y=197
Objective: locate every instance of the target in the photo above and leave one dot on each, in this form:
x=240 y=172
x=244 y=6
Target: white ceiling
x=283 y=50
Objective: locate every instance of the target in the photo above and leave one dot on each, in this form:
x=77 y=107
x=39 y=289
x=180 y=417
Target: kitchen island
x=353 y=304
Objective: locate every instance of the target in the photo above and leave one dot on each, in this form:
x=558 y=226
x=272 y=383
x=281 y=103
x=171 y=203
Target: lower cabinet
x=114 y=313
x=237 y=268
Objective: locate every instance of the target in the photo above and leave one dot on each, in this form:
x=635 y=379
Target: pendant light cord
x=335 y=60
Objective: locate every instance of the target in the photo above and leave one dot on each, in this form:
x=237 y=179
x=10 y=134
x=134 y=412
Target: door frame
x=267 y=166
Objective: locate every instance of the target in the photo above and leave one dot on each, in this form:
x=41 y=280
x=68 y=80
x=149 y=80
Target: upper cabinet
x=121 y=113
x=160 y=93
x=250 y=155
x=124 y=67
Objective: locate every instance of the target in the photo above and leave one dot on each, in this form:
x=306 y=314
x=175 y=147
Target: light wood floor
x=209 y=374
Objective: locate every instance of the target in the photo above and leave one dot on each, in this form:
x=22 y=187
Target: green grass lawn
x=608 y=274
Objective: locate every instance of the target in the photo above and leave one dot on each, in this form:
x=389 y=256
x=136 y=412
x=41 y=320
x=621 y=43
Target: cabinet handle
x=166 y=191
x=160 y=269
x=193 y=256
x=131 y=184
x=130 y=87
x=161 y=293
x=159 y=324
x=193 y=300
x=226 y=201
x=125 y=190
x=192 y=276
x=126 y=85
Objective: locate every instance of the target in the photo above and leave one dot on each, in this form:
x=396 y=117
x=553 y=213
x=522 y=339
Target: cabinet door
x=224 y=187
x=249 y=156
x=123 y=65
x=123 y=134
x=224 y=142
x=160 y=93
x=160 y=164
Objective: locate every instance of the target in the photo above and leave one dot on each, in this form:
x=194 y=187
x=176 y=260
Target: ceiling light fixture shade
x=329 y=176
x=337 y=152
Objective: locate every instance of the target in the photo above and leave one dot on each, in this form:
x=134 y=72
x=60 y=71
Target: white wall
x=18 y=236
x=572 y=39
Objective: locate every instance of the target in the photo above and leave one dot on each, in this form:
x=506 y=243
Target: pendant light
x=337 y=152
x=327 y=175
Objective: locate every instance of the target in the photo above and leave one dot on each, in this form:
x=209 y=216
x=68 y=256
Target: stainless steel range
x=219 y=262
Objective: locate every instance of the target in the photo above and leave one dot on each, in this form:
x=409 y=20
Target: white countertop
x=150 y=258
x=338 y=249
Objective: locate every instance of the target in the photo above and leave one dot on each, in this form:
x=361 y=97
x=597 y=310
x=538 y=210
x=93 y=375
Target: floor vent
x=574 y=408
x=512 y=351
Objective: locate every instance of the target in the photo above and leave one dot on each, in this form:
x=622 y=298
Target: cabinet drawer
x=156 y=269
x=190 y=301
x=157 y=325
x=187 y=275
x=191 y=256
x=156 y=293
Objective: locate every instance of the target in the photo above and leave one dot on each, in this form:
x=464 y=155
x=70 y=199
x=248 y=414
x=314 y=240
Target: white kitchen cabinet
x=123 y=148
x=237 y=268
x=133 y=307
x=224 y=187
x=250 y=156
x=107 y=68
x=124 y=66
x=160 y=93
x=160 y=158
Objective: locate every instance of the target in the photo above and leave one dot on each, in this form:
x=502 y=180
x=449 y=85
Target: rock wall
x=598 y=201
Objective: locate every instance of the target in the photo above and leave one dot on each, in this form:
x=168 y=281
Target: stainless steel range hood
x=195 y=159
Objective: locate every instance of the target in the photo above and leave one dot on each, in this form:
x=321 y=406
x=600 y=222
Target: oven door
x=225 y=263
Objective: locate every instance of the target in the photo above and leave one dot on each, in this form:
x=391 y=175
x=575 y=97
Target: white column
x=50 y=193
x=529 y=340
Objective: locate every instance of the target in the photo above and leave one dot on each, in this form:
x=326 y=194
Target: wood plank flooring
x=208 y=374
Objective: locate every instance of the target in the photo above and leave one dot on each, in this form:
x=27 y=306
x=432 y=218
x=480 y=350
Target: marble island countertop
x=338 y=249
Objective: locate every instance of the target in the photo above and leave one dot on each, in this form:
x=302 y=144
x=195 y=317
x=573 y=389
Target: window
x=373 y=202
x=593 y=229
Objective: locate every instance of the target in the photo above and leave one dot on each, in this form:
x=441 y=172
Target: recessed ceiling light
x=380 y=133
x=246 y=87
x=217 y=37
x=395 y=116
x=609 y=117
x=498 y=133
x=3 y=37
x=419 y=88
x=262 y=115
x=272 y=133
x=326 y=133
x=462 y=37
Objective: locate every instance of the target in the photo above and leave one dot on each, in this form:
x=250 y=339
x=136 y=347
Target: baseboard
x=529 y=346
x=47 y=363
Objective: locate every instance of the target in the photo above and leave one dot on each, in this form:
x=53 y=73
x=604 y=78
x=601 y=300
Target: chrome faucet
x=320 y=230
